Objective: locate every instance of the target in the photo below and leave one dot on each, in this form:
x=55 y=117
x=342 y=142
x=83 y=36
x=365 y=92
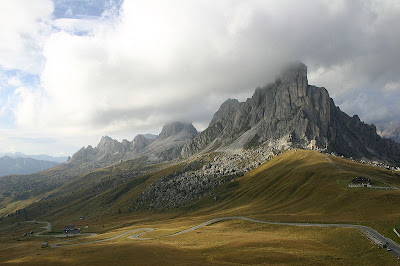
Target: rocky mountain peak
x=294 y=79
x=229 y=103
x=293 y=71
x=139 y=138
x=174 y=128
x=140 y=142
x=105 y=141
x=109 y=146
x=291 y=107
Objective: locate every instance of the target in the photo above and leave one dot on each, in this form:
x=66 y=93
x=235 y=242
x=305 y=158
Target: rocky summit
x=292 y=111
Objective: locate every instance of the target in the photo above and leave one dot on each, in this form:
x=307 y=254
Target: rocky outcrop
x=292 y=109
x=180 y=188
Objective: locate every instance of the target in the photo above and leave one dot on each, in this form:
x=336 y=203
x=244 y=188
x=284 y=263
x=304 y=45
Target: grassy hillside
x=308 y=186
x=298 y=185
x=304 y=186
x=18 y=191
x=227 y=243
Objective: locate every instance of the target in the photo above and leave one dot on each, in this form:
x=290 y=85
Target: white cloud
x=74 y=25
x=392 y=86
x=23 y=25
x=157 y=61
x=14 y=81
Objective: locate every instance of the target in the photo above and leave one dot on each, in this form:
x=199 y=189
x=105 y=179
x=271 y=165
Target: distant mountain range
x=164 y=147
x=42 y=157
x=18 y=166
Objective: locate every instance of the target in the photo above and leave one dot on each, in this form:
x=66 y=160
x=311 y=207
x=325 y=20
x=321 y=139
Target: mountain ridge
x=42 y=157
x=292 y=111
x=166 y=146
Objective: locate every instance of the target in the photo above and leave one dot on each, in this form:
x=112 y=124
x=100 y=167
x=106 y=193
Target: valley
x=286 y=189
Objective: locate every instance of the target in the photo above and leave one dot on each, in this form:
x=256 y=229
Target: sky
x=72 y=71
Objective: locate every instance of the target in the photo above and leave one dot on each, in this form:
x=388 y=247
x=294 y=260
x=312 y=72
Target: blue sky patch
x=82 y=8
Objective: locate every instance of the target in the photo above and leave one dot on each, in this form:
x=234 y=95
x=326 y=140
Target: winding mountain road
x=370 y=233
x=47 y=227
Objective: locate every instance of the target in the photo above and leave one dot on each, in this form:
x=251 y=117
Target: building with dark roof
x=360 y=182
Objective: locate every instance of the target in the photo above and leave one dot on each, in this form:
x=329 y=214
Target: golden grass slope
x=303 y=186
x=225 y=243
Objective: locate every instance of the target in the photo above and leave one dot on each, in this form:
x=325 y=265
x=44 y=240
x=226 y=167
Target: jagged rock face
x=84 y=155
x=139 y=143
x=167 y=146
x=108 y=147
x=290 y=108
x=352 y=138
x=174 y=128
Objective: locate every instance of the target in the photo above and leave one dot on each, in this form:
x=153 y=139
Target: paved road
x=47 y=228
x=386 y=188
x=135 y=236
x=370 y=233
